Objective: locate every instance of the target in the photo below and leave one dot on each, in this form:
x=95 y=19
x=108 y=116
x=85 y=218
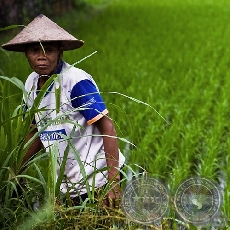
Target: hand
x=113 y=197
x=20 y=186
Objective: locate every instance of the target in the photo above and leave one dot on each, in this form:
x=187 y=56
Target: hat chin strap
x=44 y=75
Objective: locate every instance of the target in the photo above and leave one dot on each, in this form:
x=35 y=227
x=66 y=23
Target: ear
x=25 y=52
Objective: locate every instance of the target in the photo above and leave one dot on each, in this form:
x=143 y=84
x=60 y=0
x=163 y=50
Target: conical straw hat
x=42 y=29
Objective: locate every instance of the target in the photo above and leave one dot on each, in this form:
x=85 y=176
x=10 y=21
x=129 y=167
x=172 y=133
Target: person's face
x=42 y=62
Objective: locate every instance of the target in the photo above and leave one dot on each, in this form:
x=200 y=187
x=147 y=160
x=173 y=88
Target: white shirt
x=80 y=106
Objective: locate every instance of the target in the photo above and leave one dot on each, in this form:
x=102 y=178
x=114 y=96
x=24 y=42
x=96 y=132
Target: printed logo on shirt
x=89 y=102
x=52 y=135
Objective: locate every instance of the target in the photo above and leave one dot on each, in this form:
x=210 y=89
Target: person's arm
x=106 y=127
x=34 y=148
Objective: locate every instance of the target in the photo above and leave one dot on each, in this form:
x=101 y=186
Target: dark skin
x=44 y=64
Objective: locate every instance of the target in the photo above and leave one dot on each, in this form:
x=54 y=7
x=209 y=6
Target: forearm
x=112 y=155
x=34 y=148
x=110 y=143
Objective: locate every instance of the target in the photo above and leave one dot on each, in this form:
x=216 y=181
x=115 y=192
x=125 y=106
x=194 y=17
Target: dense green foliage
x=174 y=57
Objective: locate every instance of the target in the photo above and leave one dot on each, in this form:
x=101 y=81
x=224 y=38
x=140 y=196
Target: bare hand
x=113 y=197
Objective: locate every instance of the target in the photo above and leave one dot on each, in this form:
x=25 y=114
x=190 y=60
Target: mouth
x=42 y=66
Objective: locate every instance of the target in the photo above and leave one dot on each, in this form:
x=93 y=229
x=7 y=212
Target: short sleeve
x=85 y=96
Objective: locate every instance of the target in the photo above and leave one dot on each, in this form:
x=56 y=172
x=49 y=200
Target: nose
x=41 y=55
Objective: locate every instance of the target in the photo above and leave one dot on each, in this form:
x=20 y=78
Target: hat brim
x=66 y=45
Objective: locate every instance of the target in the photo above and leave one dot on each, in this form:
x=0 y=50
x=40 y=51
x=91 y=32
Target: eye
x=49 y=50
x=33 y=50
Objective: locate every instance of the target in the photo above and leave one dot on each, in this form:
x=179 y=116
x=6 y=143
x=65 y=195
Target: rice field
x=163 y=69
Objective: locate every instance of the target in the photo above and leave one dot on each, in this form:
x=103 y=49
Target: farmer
x=81 y=116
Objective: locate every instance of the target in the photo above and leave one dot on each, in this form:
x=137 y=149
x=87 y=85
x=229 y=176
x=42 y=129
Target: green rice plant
x=12 y=151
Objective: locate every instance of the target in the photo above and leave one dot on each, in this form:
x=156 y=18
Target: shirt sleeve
x=86 y=97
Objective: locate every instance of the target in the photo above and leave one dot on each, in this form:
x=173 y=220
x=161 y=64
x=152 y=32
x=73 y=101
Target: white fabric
x=88 y=145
